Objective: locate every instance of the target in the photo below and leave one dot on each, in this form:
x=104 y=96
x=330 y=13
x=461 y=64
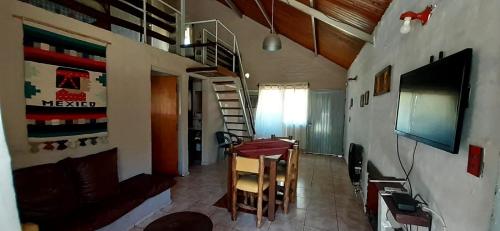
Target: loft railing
x=212 y=43
x=154 y=22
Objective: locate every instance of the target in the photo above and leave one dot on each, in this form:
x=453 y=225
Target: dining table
x=273 y=150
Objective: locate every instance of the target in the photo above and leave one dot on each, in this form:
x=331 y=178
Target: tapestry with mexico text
x=65 y=90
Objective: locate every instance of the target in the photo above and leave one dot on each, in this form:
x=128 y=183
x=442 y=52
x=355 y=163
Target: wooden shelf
x=418 y=217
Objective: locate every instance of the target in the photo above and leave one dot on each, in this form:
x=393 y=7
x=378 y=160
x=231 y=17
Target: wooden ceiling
x=331 y=43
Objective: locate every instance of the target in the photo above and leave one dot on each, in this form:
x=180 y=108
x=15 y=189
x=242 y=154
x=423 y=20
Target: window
x=282 y=110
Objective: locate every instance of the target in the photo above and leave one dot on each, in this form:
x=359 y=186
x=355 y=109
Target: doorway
x=164 y=124
x=325 y=130
x=195 y=121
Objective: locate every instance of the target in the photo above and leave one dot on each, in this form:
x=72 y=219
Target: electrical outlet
x=475 y=162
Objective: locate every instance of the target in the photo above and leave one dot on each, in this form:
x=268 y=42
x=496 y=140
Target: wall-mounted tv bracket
x=441 y=55
x=468 y=96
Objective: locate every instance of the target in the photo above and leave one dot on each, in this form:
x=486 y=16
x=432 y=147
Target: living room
x=459 y=184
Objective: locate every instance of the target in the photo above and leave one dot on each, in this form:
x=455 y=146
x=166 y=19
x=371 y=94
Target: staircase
x=230 y=96
x=224 y=68
x=232 y=100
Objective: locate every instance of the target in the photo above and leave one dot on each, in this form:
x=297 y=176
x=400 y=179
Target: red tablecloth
x=267 y=147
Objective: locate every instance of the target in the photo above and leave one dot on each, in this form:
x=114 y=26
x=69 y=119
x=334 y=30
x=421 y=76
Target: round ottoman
x=181 y=221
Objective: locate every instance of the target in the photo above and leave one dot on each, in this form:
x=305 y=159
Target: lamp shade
x=272 y=42
x=406 y=27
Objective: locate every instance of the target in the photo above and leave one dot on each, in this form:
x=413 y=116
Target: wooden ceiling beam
x=346 y=28
x=234 y=7
x=313 y=24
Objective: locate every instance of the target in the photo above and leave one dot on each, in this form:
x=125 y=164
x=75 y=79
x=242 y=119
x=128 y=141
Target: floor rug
x=181 y=221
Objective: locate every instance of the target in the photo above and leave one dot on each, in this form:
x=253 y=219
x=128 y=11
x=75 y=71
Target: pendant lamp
x=272 y=42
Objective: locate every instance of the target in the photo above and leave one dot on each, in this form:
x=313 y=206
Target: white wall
x=212 y=122
x=465 y=201
x=129 y=66
x=293 y=63
x=9 y=219
x=495 y=222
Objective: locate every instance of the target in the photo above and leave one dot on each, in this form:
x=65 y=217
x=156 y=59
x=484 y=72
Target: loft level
x=205 y=53
x=121 y=16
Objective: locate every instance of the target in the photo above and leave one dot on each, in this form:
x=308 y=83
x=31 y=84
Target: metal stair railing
x=247 y=103
x=214 y=29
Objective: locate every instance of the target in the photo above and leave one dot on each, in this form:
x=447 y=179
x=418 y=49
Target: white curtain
x=282 y=110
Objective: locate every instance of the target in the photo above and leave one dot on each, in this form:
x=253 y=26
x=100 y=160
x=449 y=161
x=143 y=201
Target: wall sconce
x=408 y=16
x=350 y=79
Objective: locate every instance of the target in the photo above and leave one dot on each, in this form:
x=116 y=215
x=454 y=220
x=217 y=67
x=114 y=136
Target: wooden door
x=164 y=124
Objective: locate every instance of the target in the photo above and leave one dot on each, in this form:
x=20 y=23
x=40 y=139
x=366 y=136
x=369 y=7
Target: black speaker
x=355 y=162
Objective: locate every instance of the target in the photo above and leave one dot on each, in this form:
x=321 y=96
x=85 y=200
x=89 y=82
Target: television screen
x=432 y=101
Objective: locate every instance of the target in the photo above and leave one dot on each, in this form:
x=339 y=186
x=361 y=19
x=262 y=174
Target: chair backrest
x=274 y=137
x=227 y=138
x=221 y=137
x=295 y=160
x=244 y=164
x=291 y=164
x=297 y=151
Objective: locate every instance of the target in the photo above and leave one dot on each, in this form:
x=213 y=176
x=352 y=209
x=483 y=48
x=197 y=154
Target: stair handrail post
x=179 y=37
x=180 y=19
x=204 y=49
x=216 y=42
x=234 y=54
x=144 y=23
x=248 y=102
x=247 y=120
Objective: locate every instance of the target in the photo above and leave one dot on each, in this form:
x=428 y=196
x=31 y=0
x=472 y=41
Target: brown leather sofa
x=81 y=193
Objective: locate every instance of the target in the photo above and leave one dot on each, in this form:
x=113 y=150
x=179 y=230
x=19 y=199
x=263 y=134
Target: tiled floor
x=325 y=199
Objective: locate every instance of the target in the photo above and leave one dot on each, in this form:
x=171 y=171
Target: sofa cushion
x=146 y=185
x=44 y=192
x=96 y=176
x=160 y=183
x=133 y=192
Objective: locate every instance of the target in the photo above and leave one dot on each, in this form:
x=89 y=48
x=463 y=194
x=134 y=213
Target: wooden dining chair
x=254 y=183
x=284 y=178
x=295 y=173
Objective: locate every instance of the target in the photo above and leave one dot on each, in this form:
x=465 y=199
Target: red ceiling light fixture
x=408 y=16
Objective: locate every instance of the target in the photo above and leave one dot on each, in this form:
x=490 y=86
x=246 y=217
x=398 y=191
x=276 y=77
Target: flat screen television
x=432 y=101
